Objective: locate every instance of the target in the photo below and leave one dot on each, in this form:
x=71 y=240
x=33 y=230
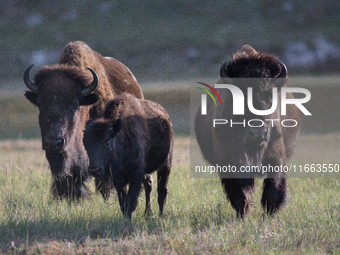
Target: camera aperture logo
x=239 y=104
x=204 y=97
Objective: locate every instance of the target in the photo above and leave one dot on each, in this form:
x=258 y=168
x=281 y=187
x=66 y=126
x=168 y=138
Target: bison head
x=60 y=91
x=99 y=144
x=261 y=72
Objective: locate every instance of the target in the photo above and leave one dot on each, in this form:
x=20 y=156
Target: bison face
x=257 y=130
x=60 y=92
x=59 y=117
x=99 y=143
x=262 y=73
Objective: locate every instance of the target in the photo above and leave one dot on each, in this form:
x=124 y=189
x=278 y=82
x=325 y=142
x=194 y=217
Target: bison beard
x=68 y=184
x=244 y=146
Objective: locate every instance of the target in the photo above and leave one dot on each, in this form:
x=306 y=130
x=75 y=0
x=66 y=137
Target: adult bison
x=262 y=142
x=68 y=94
x=133 y=140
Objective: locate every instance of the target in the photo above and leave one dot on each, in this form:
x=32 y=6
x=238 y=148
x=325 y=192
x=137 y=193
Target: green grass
x=19 y=117
x=197 y=218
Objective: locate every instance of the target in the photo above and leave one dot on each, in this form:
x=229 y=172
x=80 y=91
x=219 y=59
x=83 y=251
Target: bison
x=68 y=94
x=133 y=139
x=239 y=145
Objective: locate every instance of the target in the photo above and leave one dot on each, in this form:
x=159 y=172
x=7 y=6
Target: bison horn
x=88 y=90
x=224 y=74
x=283 y=73
x=29 y=84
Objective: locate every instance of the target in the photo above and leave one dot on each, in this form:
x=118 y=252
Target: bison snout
x=96 y=171
x=256 y=135
x=56 y=145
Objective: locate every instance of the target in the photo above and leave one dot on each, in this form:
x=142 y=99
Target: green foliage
x=162 y=40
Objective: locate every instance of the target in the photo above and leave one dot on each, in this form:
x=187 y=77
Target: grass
x=197 y=219
x=19 y=117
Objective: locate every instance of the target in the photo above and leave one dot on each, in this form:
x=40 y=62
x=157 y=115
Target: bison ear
x=32 y=97
x=116 y=127
x=89 y=100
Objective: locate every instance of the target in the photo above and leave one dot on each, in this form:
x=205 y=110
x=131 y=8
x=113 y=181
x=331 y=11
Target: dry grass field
x=197 y=219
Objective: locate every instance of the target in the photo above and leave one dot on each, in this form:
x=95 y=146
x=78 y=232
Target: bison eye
x=107 y=143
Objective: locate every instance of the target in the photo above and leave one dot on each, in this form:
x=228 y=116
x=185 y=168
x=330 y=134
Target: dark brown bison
x=132 y=140
x=68 y=94
x=246 y=145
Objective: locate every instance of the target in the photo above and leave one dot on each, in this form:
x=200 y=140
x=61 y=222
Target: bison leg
x=104 y=188
x=238 y=192
x=147 y=182
x=163 y=173
x=135 y=183
x=121 y=193
x=275 y=192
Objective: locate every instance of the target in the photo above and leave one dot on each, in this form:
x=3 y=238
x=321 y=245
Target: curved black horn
x=224 y=74
x=29 y=84
x=283 y=73
x=88 y=90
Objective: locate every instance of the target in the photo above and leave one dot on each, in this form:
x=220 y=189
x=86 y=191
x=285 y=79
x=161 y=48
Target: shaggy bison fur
x=132 y=140
x=245 y=145
x=63 y=94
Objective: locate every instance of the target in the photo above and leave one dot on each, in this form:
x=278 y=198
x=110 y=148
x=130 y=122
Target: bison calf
x=132 y=140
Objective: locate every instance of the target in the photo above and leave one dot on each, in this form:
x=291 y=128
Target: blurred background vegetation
x=160 y=41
